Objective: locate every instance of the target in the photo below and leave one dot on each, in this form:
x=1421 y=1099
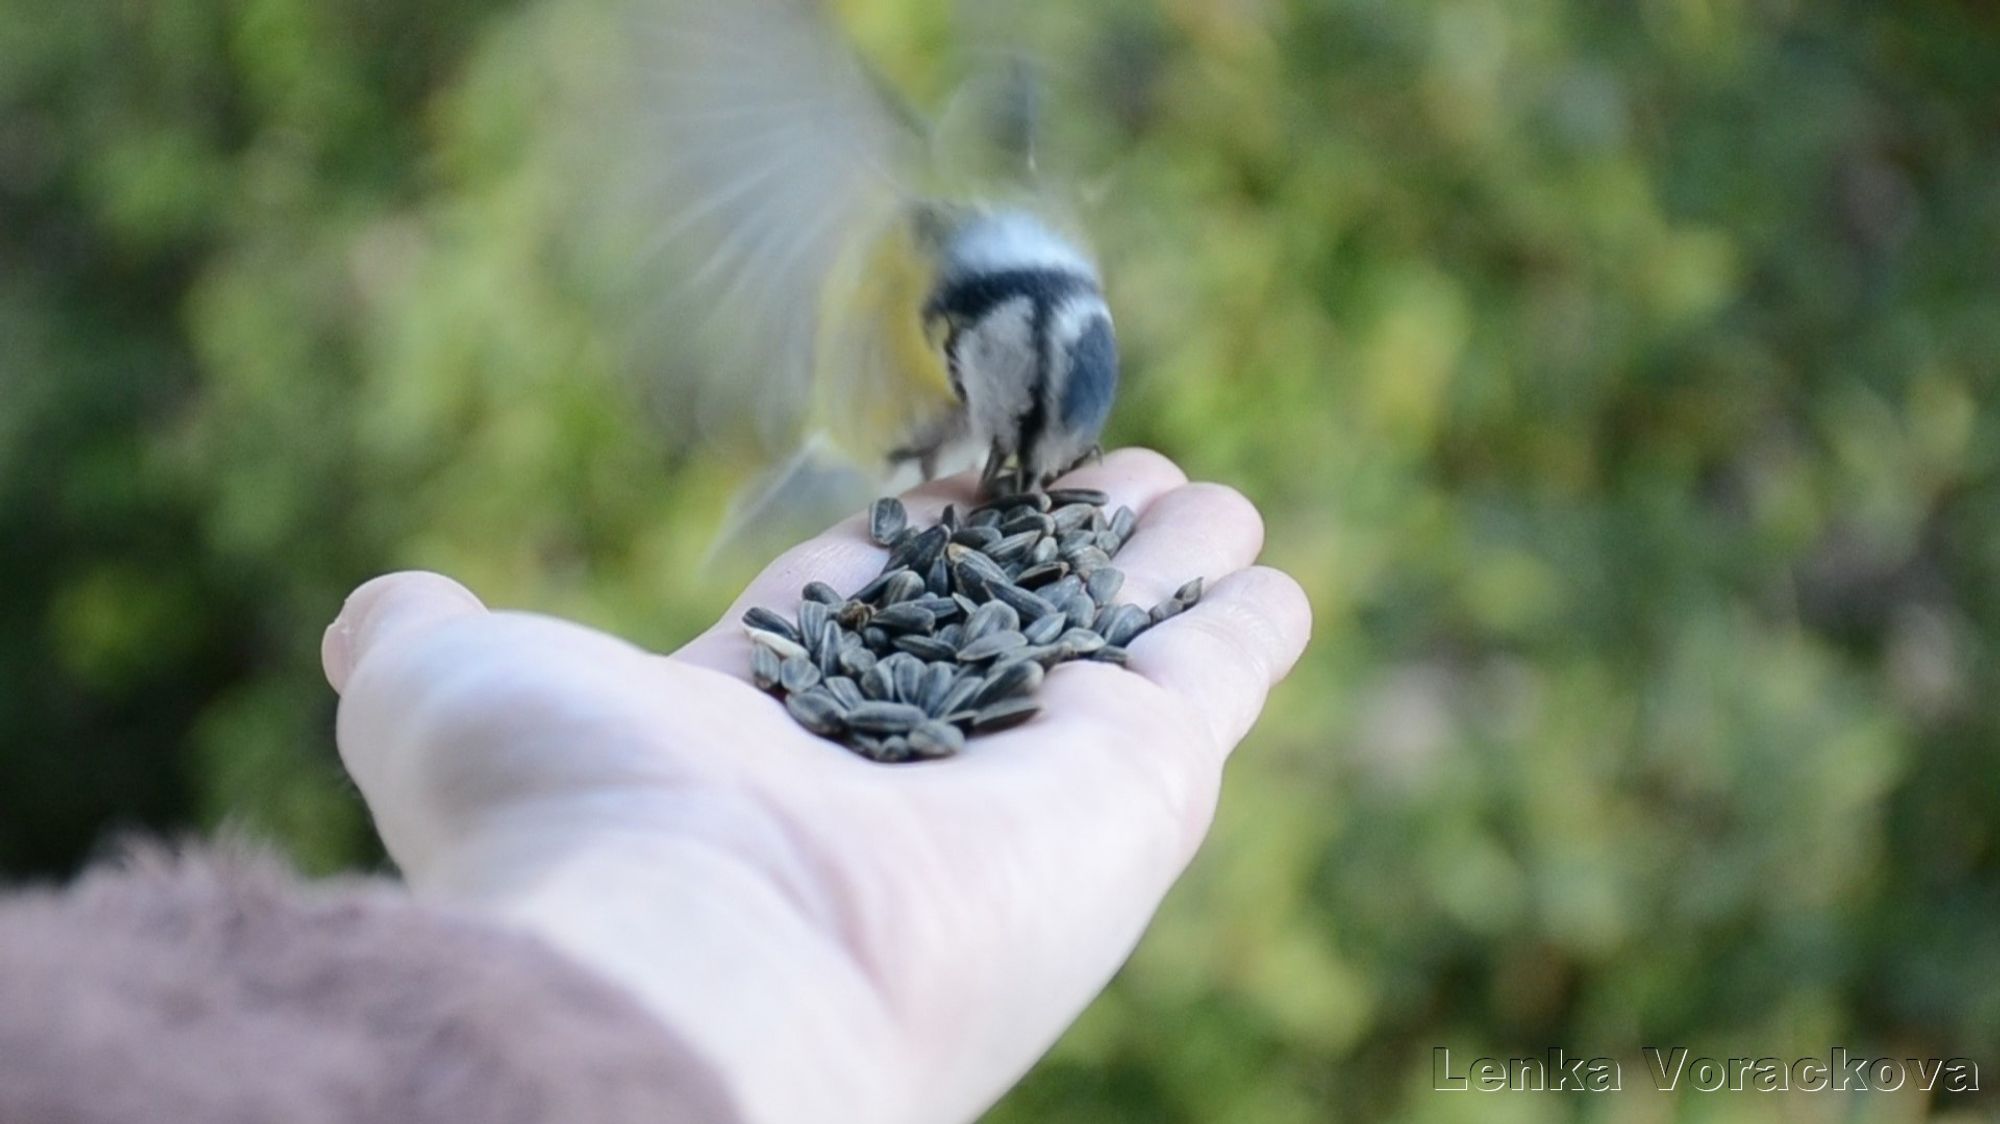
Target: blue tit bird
x=839 y=276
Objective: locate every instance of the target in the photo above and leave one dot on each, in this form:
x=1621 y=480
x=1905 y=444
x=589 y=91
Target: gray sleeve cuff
x=215 y=986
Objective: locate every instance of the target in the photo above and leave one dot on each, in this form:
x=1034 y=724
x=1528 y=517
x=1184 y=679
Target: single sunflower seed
x=994 y=616
x=783 y=645
x=845 y=691
x=932 y=740
x=876 y=717
x=928 y=648
x=886 y=520
x=856 y=659
x=1086 y=497
x=1002 y=715
x=1189 y=595
x=905 y=616
x=1104 y=583
x=813 y=619
x=822 y=593
x=765 y=667
x=1014 y=677
x=990 y=645
x=1120 y=623
x=760 y=619
x=1045 y=630
x=1025 y=602
x=817 y=710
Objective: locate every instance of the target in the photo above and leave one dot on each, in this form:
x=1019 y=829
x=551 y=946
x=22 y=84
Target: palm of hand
x=898 y=941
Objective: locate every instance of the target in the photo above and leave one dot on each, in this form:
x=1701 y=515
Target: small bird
x=850 y=279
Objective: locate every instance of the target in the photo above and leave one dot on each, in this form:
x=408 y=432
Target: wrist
x=717 y=946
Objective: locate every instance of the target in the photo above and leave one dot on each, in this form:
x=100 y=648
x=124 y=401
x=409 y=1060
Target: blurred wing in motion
x=739 y=154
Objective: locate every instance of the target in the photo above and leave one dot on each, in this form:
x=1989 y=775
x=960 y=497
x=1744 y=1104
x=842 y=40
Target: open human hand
x=837 y=940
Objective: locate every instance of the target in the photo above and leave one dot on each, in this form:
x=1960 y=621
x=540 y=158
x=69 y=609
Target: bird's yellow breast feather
x=877 y=376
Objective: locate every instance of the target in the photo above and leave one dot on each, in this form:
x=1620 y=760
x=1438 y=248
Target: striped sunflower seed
x=1014 y=677
x=1024 y=602
x=1165 y=610
x=1045 y=630
x=1003 y=715
x=994 y=616
x=817 y=710
x=760 y=619
x=879 y=682
x=1080 y=610
x=813 y=619
x=905 y=616
x=928 y=648
x=845 y=691
x=886 y=520
x=1104 y=583
x=1120 y=623
x=938 y=679
x=991 y=645
x=932 y=740
x=856 y=659
x=822 y=593
x=1087 y=497
x=959 y=696
x=884 y=717
x=798 y=674
x=765 y=667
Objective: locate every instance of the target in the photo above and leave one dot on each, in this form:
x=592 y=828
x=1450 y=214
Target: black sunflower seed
x=994 y=616
x=1169 y=608
x=817 y=710
x=856 y=659
x=1080 y=610
x=813 y=619
x=926 y=647
x=1079 y=642
x=990 y=645
x=1088 y=497
x=1003 y=715
x=822 y=593
x=1045 y=630
x=958 y=695
x=884 y=717
x=765 y=667
x=886 y=520
x=978 y=538
x=764 y=620
x=905 y=616
x=1104 y=583
x=1024 y=602
x=878 y=682
x=844 y=690
x=933 y=740
x=1189 y=595
x=1120 y=623
x=1014 y=677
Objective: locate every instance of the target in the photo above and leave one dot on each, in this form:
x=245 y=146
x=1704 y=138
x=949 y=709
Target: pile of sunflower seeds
x=958 y=630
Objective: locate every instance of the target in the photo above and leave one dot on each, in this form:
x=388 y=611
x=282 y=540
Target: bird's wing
x=736 y=152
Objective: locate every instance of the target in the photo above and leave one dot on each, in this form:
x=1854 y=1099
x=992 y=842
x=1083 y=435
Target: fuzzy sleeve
x=216 y=987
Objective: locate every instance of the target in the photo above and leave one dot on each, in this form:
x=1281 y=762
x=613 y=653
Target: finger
x=1224 y=655
x=1196 y=531
x=845 y=559
x=1145 y=750
x=389 y=607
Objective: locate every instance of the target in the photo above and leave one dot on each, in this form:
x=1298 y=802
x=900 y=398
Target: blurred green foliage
x=1619 y=379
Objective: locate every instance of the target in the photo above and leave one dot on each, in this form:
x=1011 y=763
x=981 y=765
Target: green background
x=1619 y=379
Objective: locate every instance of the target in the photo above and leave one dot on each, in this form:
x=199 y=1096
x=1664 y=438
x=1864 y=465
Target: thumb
x=392 y=608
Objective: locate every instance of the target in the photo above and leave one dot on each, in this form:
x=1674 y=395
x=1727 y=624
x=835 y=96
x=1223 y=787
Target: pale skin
x=837 y=940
